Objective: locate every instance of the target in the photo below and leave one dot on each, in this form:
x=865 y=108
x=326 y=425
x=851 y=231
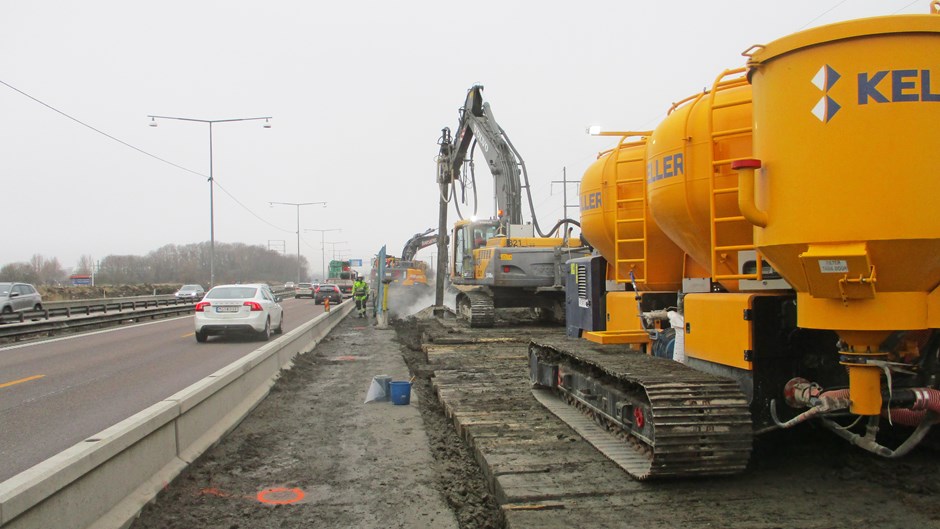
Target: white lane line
x=82 y=335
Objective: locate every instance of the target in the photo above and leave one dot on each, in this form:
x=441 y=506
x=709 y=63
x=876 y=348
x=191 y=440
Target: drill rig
x=767 y=238
x=498 y=262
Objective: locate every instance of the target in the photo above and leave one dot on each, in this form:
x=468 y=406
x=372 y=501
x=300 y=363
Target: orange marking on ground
x=20 y=381
x=212 y=491
x=347 y=358
x=280 y=496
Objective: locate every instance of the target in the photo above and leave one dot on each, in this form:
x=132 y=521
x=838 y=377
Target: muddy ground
x=372 y=465
x=366 y=465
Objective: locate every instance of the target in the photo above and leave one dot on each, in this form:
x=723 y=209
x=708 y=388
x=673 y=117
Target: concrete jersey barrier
x=104 y=481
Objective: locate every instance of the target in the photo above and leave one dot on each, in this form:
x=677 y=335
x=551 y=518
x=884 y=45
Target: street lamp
x=297 y=204
x=267 y=125
x=322 y=251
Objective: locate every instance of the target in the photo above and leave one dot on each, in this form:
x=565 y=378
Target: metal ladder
x=721 y=246
x=629 y=250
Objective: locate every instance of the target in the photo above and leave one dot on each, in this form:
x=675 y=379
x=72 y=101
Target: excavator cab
x=470 y=236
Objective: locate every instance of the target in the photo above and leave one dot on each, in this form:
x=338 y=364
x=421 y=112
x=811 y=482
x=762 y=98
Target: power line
x=824 y=13
x=82 y=123
x=226 y=191
x=124 y=143
x=905 y=7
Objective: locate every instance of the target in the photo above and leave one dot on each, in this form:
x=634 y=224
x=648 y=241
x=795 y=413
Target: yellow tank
x=615 y=219
x=846 y=123
x=692 y=188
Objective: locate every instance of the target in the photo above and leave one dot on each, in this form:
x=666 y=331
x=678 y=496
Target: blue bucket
x=401 y=391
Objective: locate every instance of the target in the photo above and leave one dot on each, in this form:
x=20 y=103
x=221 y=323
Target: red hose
x=926 y=399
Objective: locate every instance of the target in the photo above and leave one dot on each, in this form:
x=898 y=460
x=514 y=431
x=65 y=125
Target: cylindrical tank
x=846 y=124
x=616 y=221
x=691 y=186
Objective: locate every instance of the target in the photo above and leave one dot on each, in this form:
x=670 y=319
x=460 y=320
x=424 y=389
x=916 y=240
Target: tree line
x=234 y=262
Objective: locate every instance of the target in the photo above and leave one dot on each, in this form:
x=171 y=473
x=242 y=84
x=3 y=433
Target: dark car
x=327 y=291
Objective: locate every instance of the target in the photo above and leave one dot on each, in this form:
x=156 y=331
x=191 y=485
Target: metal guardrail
x=118 y=314
x=92 y=306
x=82 y=302
x=82 y=314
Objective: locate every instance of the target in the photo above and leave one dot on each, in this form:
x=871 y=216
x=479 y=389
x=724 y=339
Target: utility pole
x=297 y=204
x=323 y=251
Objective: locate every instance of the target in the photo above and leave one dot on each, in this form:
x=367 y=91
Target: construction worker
x=360 y=294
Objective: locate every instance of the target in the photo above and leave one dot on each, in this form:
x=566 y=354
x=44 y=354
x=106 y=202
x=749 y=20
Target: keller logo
x=827 y=107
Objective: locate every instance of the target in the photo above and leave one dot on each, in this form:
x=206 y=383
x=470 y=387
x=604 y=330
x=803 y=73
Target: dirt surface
x=357 y=465
x=379 y=465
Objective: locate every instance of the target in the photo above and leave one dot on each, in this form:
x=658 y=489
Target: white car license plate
x=226 y=309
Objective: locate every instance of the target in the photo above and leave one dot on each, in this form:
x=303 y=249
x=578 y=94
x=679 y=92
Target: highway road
x=55 y=393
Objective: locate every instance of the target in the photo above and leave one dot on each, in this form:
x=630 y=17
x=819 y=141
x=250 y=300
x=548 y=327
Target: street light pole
x=267 y=125
x=322 y=251
x=297 y=204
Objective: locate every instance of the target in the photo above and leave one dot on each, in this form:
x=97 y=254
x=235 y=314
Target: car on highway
x=289 y=284
x=18 y=297
x=251 y=309
x=304 y=290
x=194 y=292
x=328 y=291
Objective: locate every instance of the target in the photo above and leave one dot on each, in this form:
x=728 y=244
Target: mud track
x=483 y=453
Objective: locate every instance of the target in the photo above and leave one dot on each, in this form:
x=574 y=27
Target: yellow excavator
x=499 y=262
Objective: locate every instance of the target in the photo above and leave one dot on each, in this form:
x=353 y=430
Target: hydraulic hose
x=925 y=400
x=525 y=176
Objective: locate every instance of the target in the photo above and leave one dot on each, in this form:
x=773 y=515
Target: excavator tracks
x=477 y=307
x=655 y=418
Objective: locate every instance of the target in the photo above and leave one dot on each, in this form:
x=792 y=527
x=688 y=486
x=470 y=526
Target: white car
x=239 y=309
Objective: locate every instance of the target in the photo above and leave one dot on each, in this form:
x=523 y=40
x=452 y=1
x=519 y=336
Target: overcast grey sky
x=358 y=91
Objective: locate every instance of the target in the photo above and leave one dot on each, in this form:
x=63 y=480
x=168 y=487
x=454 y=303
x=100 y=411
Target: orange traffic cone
x=326 y=305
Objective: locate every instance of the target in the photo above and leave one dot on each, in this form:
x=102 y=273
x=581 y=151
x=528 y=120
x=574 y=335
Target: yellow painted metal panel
x=623 y=322
x=888 y=311
x=716 y=330
x=845 y=121
x=933 y=309
x=828 y=267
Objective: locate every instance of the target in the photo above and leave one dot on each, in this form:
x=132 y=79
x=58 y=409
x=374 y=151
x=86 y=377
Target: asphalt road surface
x=55 y=393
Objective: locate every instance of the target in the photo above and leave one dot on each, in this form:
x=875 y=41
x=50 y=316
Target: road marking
x=20 y=381
x=103 y=331
x=280 y=496
x=188 y=335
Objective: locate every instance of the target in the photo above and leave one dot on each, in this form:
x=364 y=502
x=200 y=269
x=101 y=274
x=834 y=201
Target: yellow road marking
x=188 y=335
x=20 y=381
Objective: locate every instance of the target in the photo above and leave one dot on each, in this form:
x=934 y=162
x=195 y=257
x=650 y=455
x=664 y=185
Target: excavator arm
x=477 y=122
x=417 y=242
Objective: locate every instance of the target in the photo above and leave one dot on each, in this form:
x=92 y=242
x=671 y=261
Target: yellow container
x=691 y=186
x=615 y=219
x=846 y=122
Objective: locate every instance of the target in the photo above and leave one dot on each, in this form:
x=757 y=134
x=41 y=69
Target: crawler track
x=673 y=421
x=481 y=313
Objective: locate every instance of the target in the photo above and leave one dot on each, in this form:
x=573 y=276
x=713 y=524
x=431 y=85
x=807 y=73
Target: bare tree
x=86 y=265
x=22 y=272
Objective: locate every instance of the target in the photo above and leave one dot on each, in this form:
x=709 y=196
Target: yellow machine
x=498 y=262
x=777 y=231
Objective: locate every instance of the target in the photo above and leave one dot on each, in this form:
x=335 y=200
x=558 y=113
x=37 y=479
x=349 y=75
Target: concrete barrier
x=104 y=481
